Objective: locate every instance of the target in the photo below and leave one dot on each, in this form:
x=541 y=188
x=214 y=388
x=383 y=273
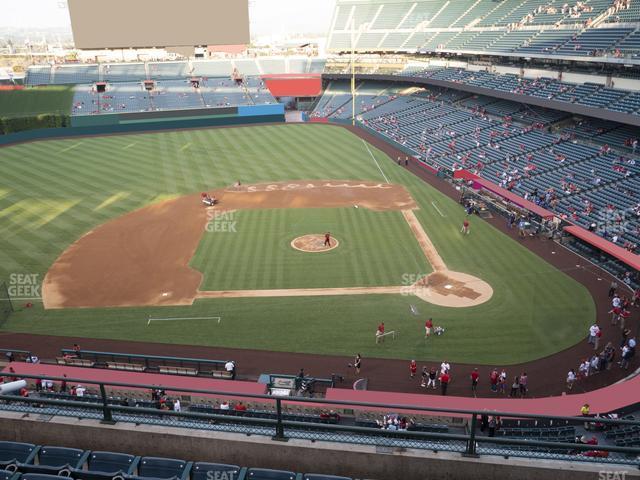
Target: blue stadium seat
x=39 y=476
x=9 y=475
x=267 y=474
x=207 y=471
x=54 y=460
x=154 y=467
x=106 y=465
x=13 y=453
x=313 y=476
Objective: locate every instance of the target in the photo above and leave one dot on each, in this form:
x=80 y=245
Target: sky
x=268 y=17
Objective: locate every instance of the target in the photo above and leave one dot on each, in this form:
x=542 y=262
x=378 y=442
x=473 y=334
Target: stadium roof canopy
x=513 y=198
x=616 y=251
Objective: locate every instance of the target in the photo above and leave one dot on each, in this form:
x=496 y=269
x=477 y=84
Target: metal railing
x=200 y=364
x=281 y=425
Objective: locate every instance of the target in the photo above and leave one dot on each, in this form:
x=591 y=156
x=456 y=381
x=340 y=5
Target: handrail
x=471 y=438
x=95 y=353
x=388 y=407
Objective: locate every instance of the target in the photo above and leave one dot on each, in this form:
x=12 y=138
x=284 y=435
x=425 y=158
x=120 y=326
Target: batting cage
x=5 y=303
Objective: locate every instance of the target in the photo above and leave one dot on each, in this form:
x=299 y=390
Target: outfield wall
x=116 y=123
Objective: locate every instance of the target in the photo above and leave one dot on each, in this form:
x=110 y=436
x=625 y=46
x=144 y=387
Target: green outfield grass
x=53 y=192
x=375 y=249
x=36 y=100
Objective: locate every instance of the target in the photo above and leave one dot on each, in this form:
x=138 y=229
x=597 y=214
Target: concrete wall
x=299 y=455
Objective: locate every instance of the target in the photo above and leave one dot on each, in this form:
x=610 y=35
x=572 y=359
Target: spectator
x=432 y=378
x=230 y=368
x=240 y=407
x=474 y=381
x=444 y=382
x=524 y=380
x=502 y=382
x=571 y=379
x=515 y=387
x=176 y=405
x=593 y=335
x=493 y=380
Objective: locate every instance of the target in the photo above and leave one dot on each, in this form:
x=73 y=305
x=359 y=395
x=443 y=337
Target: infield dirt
x=142 y=258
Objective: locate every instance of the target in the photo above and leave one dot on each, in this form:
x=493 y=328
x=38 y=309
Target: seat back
x=60 y=457
x=161 y=467
x=6 y=474
x=38 y=476
x=10 y=451
x=110 y=462
x=314 y=476
x=267 y=474
x=209 y=471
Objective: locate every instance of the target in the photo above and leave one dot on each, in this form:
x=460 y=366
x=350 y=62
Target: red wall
x=294 y=85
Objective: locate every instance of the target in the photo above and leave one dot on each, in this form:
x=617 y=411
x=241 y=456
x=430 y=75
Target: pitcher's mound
x=313 y=243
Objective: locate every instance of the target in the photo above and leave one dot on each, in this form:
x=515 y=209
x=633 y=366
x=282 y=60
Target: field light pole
x=353 y=72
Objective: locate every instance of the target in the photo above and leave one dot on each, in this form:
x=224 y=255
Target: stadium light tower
x=353 y=68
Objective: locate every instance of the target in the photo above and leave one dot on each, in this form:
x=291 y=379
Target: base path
x=444 y=287
x=142 y=258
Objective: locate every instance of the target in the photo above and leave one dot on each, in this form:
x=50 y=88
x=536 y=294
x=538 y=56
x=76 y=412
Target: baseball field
x=119 y=217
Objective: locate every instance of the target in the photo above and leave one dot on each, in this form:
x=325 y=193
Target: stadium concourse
x=612 y=398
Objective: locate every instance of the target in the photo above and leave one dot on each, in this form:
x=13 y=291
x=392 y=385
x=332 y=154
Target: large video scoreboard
x=99 y=24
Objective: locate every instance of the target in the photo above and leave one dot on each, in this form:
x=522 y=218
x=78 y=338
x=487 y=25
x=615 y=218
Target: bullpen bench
x=75 y=362
x=178 y=370
x=129 y=367
x=148 y=363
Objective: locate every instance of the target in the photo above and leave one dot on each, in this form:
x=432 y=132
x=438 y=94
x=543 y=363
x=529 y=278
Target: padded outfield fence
x=281 y=419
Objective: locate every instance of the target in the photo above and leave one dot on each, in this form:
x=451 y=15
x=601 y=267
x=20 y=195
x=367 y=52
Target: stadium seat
x=55 y=460
x=13 y=453
x=267 y=474
x=39 y=476
x=313 y=476
x=154 y=467
x=9 y=475
x=106 y=465
x=207 y=471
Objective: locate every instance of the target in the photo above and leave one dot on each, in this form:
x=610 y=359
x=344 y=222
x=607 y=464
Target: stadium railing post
x=279 y=436
x=471 y=444
x=107 y=418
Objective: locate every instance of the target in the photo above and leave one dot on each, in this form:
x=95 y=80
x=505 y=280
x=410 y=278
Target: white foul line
x=168 y=319
x=374 y=159
x=69 y=148
x=438 y=210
